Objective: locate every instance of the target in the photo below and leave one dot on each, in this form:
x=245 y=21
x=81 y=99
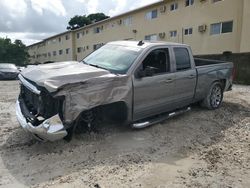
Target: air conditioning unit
x=163 y=9
x=162 y=35
x=134 y=31
x=202 y=28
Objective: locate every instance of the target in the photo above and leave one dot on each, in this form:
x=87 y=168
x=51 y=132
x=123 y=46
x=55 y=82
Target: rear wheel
x=214 y=97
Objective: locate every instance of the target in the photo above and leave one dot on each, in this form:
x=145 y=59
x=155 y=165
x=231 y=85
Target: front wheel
x=214 y=98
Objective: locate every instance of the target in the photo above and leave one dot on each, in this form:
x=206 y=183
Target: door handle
x=191 y=76
x=170 y=80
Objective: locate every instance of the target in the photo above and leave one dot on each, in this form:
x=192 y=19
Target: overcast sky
x=34 y=20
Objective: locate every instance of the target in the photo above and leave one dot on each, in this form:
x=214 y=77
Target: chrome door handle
x=191 y=76
x=169 y=81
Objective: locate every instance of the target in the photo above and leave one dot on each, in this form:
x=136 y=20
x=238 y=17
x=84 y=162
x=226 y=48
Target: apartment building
x=55 y=48
x=208 y=26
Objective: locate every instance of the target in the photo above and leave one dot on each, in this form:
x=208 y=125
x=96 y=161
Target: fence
x=241 y=62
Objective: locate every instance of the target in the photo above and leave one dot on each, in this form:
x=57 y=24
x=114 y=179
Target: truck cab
x=164 y=79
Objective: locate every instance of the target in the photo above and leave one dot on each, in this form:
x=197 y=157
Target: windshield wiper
x=97 y=66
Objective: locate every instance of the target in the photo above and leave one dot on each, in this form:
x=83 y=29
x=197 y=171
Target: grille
x=44 y=104
x=31 y=99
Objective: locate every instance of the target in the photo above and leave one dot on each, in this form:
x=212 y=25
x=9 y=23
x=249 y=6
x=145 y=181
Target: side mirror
x=141 y=74
x=148 y=72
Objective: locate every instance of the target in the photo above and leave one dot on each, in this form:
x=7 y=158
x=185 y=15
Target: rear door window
x=182 y=59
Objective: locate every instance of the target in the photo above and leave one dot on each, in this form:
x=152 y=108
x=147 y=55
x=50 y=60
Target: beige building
x=208 y=26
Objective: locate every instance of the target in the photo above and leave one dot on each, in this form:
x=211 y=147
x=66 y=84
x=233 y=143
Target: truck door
x=154 y=88
x=185 y=82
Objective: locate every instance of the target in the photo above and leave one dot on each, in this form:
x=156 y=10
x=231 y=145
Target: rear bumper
x=51 y=129
x=229 y=85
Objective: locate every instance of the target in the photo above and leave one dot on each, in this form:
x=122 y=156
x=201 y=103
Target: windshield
x=7 y=66
x=117 y=59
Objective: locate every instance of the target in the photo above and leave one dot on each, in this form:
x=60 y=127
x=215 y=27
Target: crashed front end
x=38 y=112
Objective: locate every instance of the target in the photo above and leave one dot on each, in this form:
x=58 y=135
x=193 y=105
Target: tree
x=80 y=21
x=97 y=17
x=15 y=53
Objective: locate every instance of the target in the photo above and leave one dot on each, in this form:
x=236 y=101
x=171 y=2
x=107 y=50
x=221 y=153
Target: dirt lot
x=198 y=149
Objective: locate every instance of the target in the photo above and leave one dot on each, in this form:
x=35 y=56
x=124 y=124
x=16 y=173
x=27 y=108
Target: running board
x=141 y=125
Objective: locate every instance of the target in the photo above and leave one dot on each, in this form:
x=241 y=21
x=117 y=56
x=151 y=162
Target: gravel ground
x=198 y=149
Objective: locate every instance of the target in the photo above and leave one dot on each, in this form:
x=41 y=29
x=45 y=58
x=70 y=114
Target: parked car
x=8 y=71
x=131 y=83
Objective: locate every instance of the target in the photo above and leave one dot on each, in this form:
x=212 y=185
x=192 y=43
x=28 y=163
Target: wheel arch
x=116 y=111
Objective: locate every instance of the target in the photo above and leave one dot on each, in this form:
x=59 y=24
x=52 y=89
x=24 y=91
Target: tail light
x=233 y=76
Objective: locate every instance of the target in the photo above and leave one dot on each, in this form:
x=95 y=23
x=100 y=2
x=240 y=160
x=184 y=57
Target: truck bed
x=202 y=62
x=210 y=70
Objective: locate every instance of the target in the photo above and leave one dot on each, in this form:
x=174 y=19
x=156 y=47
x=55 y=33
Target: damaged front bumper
x=51 y=129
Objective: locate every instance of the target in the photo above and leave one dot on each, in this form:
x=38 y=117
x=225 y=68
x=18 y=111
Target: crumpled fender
x=91 y=93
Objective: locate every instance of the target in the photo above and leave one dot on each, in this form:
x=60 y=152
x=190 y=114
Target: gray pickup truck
x=127 y=82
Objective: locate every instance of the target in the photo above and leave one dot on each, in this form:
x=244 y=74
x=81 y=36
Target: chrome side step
x=141 y=124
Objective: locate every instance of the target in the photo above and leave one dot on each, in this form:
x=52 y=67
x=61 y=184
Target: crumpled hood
x=55 y=75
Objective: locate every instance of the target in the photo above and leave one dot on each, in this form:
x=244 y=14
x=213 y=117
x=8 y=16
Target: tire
x=214 y=97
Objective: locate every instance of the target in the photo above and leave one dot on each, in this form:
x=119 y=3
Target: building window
x=49 y=54
x=59 y=39
x=227 y=27
x=60 y=52
x=67 y=51
x=173 y=34
x=87 y=47
x=151 y=37
x=54 y=41
x=188 y=31
x=220 y=28
x=189 y=2
x=97 y=30
x=173 y=6
x=151 y=15
x=97 y=46
x=79 y=50
x=67 y=37
x=215 y=1
x=54 y=53
x=78 y=35
x=127 y=21
x=215 y=29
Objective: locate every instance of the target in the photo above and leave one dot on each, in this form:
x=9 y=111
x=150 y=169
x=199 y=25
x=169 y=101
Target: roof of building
x=120 y=15
x=100 y=22
x=57 y=35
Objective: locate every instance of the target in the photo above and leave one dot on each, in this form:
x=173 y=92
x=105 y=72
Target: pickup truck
x=127 y=82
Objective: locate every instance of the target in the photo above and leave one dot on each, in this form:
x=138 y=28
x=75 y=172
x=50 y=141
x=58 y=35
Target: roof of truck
x=145 y=43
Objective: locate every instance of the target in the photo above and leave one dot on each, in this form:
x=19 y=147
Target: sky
x=34 y=20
